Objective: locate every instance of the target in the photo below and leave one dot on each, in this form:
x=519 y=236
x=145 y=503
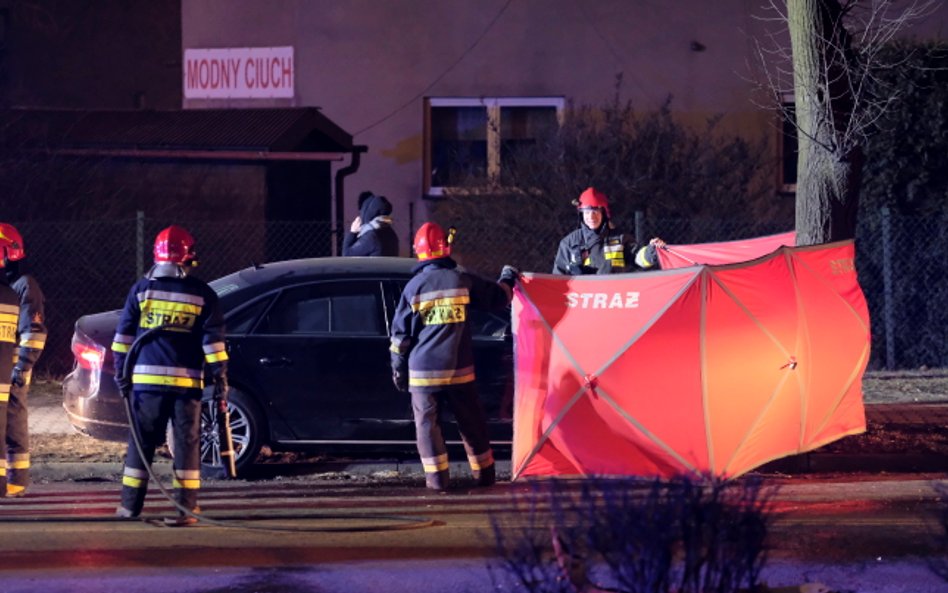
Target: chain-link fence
x=87 y=267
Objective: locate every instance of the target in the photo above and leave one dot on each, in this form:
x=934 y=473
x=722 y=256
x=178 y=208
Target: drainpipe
x=340 y=192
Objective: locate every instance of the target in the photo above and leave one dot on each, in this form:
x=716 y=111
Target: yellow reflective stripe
x=481 y=461
x=433 y=255
x=170 y=307
x=4 y=395
x=8 y=332
x=641 y=259
x=20 y=464
x=441 y=301
x=186 y=484
x=156 y=313
x=435 y=464
x=167 y=381
x=119 y=347
x=216 y=357
x=399 y=345
x=133 y=482
x=442 y=307
x=432 y=381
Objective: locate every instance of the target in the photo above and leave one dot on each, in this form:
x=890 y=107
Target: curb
x=807 y=463
x=816 y=463
x=78 y=471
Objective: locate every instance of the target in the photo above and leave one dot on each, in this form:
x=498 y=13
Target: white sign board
x=239 y=73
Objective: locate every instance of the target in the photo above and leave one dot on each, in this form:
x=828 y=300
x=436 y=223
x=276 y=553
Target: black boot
x=437 y=480
x=486 y=476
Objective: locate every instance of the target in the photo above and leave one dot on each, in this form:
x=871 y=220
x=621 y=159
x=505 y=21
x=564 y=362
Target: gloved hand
x=400 y=380
x=18 y=377
x=509 y=276
x=124 y=384
x=220 y=386
x=576 y=270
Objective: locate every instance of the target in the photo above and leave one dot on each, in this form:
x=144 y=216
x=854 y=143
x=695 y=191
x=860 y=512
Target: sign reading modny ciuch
x=239 y=73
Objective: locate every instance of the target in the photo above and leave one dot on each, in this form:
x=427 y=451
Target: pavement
x=47 y=417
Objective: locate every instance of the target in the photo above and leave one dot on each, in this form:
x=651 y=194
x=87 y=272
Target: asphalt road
x=851 y=533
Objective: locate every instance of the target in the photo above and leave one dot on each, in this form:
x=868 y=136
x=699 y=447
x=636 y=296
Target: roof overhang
x=211 y=155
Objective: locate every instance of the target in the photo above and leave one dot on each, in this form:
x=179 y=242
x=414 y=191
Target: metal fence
x=88 y=266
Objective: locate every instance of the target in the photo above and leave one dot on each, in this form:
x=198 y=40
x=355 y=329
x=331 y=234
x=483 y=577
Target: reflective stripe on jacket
x=31 y=327
x=584 y=251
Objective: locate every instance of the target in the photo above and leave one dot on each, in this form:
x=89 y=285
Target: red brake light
x=89 y=355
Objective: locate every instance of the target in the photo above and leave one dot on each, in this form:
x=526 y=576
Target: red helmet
x=431 y=242
x=174 y=245
x=592 y=198
x=11 y=243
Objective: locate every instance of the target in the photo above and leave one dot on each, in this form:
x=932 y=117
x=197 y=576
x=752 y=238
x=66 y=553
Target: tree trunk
x=830 y=158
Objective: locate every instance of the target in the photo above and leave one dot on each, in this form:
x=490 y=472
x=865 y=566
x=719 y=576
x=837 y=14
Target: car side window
x=329 y=307
x=242 y=321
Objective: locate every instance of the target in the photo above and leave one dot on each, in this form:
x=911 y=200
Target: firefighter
x=596 y=247
x=166 y=377
x=432 y=354
x=9 y=314
x=371 y=233
x=31 y=339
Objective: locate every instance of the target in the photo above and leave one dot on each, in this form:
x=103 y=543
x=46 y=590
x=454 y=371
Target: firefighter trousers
x=152 y=410
x=463 y=402
x=18 y=437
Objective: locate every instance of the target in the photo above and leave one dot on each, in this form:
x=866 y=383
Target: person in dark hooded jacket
x=371 y=233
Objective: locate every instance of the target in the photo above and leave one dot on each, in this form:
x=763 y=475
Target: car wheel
x=246 y=427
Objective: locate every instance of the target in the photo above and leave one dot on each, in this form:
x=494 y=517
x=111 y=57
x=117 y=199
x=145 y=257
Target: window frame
x=493 y=105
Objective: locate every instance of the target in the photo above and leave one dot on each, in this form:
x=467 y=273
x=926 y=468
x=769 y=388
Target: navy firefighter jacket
x=171 y=359
x=31 y=327
x=431 y=335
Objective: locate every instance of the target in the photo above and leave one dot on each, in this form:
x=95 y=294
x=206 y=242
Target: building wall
x=370 y=64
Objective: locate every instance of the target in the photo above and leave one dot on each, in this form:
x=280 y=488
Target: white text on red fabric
x=602 y=300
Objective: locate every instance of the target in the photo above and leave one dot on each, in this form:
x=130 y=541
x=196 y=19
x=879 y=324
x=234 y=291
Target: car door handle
x=280 y=361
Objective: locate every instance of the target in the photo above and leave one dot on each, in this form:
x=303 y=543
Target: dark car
x=309 y=363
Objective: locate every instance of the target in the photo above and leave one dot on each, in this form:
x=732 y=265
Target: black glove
x=124 y=385
x=220 y=386
x=18 y=378
x=576 y=270
x=400 y=380
x=509 y=276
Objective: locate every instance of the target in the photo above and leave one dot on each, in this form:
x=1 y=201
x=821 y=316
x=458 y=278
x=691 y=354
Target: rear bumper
x=94 y=410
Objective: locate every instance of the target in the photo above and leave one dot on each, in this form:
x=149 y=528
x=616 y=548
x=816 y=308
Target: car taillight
x=89 y=354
